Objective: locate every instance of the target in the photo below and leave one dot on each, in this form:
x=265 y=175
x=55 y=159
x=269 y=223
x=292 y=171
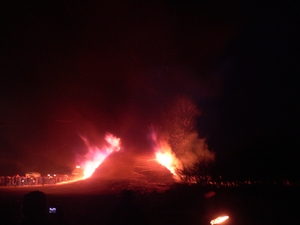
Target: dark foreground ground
x=158 y=198
x=94 y=201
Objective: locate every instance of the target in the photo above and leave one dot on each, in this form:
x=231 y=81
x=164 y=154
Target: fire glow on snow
x=97 y=155
x=164 y=155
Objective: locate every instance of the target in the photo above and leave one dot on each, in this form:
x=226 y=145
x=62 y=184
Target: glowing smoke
x=195 y=150
x=178 y=146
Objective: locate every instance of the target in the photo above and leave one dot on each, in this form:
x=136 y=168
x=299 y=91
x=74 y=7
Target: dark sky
x=90 y=67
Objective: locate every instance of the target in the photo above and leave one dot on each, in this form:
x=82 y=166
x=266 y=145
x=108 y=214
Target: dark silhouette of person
x=43 y=180
x=127 y=212
x=36 y=211
x=28 y=181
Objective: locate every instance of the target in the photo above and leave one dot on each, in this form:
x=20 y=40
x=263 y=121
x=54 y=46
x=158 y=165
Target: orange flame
x=218 y=220
x=165 y=156
x=96 y=155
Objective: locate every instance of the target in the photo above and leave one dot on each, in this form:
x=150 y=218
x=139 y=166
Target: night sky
x=71 y=68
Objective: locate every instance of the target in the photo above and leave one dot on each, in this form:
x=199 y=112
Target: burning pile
x=165 y=156
x=186 y=164
x=97 y=155
x=177 y=146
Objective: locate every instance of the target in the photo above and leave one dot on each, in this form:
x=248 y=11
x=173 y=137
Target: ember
x=219 y=220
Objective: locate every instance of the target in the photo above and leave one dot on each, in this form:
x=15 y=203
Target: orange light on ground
x=219 y=220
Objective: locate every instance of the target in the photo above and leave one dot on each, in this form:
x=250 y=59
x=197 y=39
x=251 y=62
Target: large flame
x=97 y=155
x=165 y=156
